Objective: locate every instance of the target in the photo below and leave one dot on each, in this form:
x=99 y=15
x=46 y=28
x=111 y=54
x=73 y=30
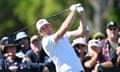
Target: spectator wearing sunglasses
x=99 y=36
x=109 y=47
x=110 y=44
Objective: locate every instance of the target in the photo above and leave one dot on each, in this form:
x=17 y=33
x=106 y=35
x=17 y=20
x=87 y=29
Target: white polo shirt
x=62 y=54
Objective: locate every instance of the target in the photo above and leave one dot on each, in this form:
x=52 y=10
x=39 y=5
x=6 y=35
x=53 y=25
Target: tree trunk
x=101 y=8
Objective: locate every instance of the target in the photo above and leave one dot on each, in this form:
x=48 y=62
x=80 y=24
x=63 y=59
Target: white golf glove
x=79 y=8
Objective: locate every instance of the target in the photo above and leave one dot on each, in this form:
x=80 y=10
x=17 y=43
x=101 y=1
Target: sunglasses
x=80 y=45
x=99 y=38
x=111 y=28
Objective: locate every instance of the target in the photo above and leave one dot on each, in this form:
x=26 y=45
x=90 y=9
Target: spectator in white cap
x=94 y=55
x=58 y=46
x=4 y=40
x=23 y=39
x=93 y=44
x=80 y=47
x=21 y=35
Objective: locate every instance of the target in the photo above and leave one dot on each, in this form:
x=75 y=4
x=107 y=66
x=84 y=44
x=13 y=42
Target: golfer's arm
x=65 y=26
x=81 y=31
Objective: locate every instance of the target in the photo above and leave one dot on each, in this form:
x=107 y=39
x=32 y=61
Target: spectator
x=4 y=40
x=94 y=55
x=23 y=39
x=58 y=46
x=109 y=48
x=118 y=49
x=80 y=47
x=110 y=41
x=11 y=62
x=2 y=57
x=118 y=40
x=99 y=36
x=37 y=55
x=1 y=49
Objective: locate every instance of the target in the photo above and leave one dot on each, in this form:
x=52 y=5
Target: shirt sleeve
x=67 y=35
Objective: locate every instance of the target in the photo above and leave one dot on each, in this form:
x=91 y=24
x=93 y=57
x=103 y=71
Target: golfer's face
x=46 y=29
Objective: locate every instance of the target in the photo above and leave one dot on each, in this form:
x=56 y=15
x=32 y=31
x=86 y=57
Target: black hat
x=112 y=24
x=11 y=42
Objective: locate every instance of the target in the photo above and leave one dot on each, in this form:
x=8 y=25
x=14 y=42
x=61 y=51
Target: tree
x=18 y=15
x=101 y=8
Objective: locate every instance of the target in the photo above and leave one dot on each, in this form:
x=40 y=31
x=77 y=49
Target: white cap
x=40 y=23
x=4 y=38
x=93 y=42
x=80 y=40
x=21 y=35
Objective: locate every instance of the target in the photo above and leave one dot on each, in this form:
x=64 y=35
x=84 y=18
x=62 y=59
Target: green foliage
x=25 y=10
x=111 y=16
x=114 y=14
x=18 y=14
x=8 y=25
